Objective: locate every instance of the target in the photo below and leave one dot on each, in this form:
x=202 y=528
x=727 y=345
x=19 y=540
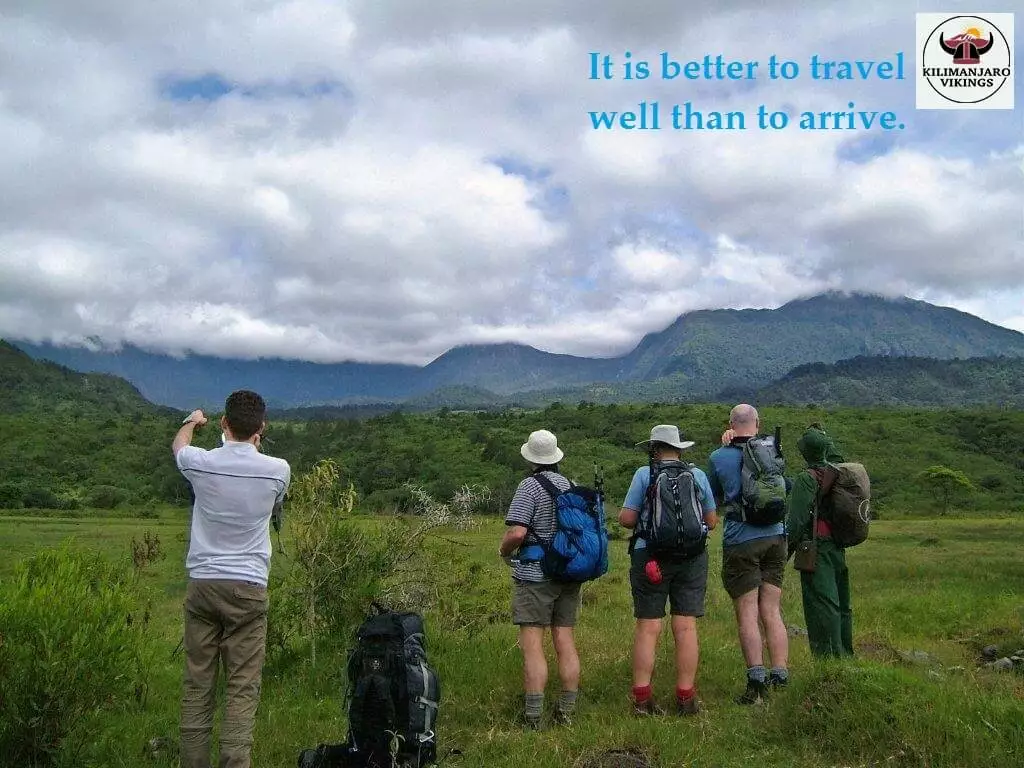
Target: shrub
x=73 y=643
x=992 y=482
x=392 y=500
x=40 y=498
x=340 y=564
x=147 y=551
x=106 y=496
x=68 y=503
x=458 y=511
x=11 y=495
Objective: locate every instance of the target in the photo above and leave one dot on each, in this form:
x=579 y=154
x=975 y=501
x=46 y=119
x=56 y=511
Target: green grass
x=947 y=587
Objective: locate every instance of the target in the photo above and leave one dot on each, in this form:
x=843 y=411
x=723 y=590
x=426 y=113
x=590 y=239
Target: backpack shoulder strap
x=825 y=477
x=545 y=483
x=750 y=453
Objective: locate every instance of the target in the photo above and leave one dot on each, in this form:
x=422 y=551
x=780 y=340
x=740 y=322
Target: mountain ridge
x=699 y=354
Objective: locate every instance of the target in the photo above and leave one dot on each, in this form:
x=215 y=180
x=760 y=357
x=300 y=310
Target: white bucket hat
x=668 y=434
x=541 y=448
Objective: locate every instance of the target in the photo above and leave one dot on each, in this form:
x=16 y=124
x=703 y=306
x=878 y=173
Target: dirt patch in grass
x=629 y=757
x=876 y=650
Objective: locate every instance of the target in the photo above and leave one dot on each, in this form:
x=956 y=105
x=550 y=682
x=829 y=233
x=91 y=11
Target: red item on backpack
x=653 y=571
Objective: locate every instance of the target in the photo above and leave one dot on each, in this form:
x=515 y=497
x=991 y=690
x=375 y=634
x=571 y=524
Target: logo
x=965 y=61
x=964 y=48
x=864 y=511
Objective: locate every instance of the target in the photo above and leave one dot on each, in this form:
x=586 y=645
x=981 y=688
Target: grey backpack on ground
x=762 y=499
x=671 y=522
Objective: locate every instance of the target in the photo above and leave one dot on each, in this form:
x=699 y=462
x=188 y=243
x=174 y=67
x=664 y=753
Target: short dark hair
x=245 y=413
x=545 y=468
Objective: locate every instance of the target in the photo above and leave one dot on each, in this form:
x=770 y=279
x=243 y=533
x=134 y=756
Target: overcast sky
x=383 y=179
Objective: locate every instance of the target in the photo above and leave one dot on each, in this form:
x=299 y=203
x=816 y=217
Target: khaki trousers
x=225 y=622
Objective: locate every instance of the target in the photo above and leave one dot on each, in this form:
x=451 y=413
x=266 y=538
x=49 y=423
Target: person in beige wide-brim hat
x=538 y=603
x=680 y=581
x=666 y=434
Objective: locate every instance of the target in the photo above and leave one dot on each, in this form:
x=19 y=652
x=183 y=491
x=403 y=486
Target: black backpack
x=393 y=697
x=671 y=521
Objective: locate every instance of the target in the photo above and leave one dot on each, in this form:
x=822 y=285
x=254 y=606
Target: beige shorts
x=545 y=603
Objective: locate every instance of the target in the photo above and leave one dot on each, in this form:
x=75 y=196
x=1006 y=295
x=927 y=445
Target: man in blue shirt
x=753 y=563
x=682 y=581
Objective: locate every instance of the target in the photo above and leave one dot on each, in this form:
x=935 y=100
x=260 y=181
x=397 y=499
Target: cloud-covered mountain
x=698 y=356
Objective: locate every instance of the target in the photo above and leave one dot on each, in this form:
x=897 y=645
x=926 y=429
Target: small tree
x=946 y=485
x=340 y=565
x=317 y=514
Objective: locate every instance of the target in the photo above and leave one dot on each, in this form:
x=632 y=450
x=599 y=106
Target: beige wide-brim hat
x=668 y=434
x=541 y=448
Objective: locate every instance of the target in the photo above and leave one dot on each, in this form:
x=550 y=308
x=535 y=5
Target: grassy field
x=943 y=587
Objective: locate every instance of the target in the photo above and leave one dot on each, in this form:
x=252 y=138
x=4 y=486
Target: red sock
x=642 y=693
x=685 y=694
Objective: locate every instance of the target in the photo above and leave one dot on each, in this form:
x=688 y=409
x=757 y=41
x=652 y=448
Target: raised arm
x=195 y=420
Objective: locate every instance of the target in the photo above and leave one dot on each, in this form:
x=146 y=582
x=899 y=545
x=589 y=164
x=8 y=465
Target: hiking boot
x=530 y=723
x=777 y=683
x=646 y=708
x=560 y=717
x=756 y=693
x=688 y=706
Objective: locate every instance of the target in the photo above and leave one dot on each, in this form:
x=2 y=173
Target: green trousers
x=827 y=611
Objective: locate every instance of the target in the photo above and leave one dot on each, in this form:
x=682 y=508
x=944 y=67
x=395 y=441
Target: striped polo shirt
x=532 y=507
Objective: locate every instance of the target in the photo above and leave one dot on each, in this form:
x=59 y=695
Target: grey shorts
x=684 y=585
x=545 y=603
x=747 y=566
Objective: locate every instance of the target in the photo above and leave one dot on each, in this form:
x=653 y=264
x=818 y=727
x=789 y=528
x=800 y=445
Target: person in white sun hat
x=538 y=603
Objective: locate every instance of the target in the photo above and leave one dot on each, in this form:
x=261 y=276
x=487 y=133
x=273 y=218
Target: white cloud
x=348 y=200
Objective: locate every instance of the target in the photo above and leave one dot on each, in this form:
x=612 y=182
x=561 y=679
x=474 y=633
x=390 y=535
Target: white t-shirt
x=236 y=488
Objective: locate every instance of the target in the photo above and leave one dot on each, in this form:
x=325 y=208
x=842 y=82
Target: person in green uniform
x=826 y=591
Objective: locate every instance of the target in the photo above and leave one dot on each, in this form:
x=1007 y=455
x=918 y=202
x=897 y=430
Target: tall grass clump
x=73 y=644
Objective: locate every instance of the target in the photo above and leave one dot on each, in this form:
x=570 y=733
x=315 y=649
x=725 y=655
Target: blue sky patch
x=867 y=147
x=514 y=166
x=212 y=86
x=209 y=87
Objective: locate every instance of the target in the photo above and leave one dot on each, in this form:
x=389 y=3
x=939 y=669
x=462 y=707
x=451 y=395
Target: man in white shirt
x=237 y=489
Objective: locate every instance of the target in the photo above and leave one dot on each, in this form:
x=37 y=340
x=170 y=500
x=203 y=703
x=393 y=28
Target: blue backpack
x=579 y=549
